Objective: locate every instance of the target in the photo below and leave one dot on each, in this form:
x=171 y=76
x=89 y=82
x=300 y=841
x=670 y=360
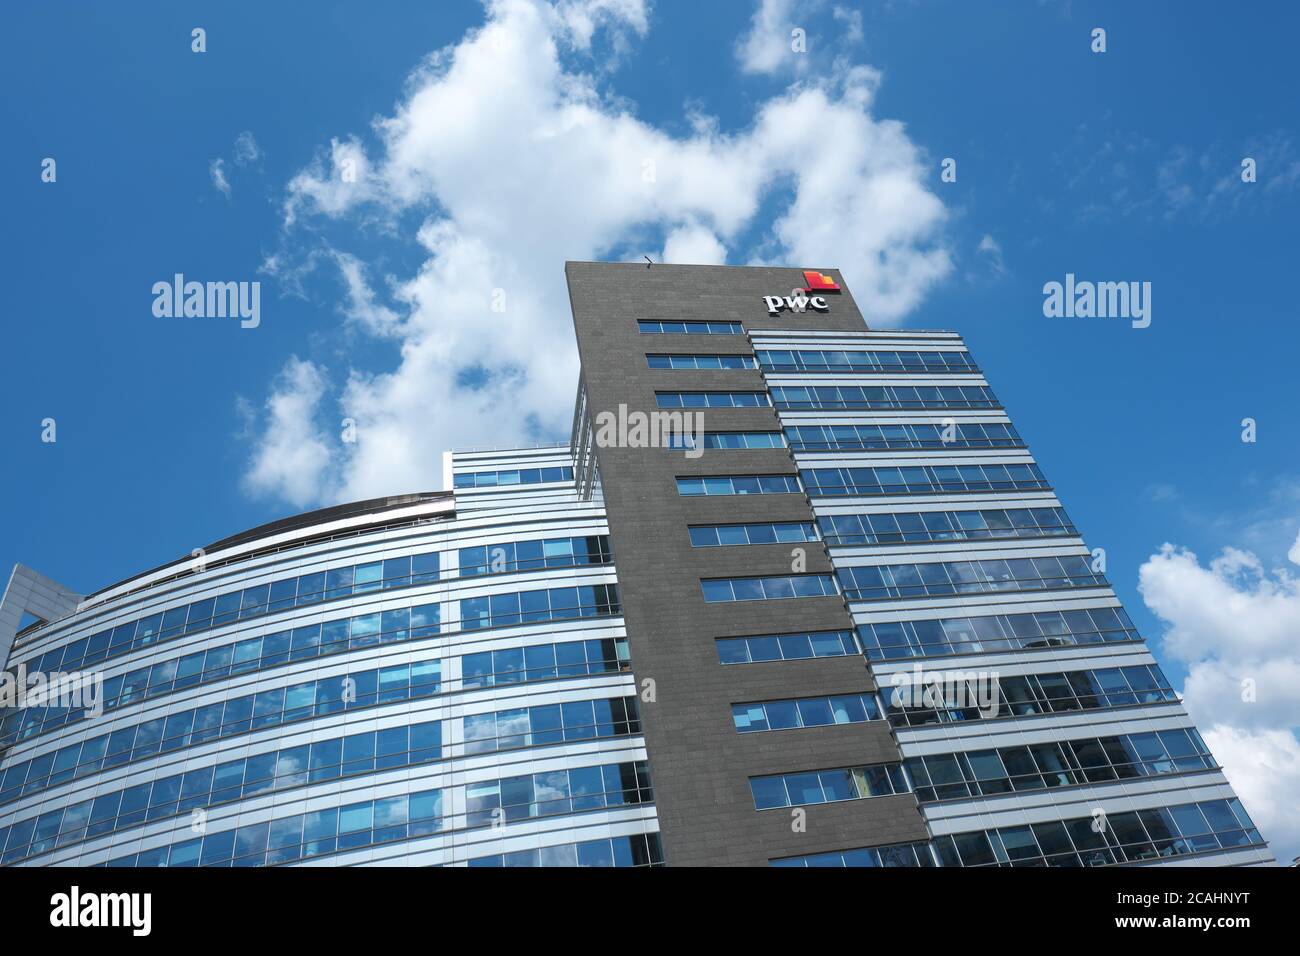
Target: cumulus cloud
x=361 y=305
x=292 y=451
x=514 y=156
x=766 y=47
x=1235 y=624
x=694 y=245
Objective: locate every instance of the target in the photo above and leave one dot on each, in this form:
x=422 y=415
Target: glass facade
x=449 y=680
x=995 y=641
x=350 y=699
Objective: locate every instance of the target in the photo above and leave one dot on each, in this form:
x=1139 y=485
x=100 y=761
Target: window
x=551 y=724
x=516 y=476
x=925 y=526
x=718 y=590
x=530 y=607
x=1131 y=837
x=786 y=647
x=711 y=399
x=303 y=836
x=895 y=855
x=701 y=361
x=738 y=485
x=773 y=360
x=241 y=605
x=730 y=440
x=894 y=640
x=796 y=397
x=690 y=328
x=1031 y=695
x=637 y=850
x=886 y=581
x=922 y=480
x=912 y=435
x=507 y=556
x=556 y=792
x=715 y=535
x=827 y=786
x=234 y=716
x=544 y=662
x=805 y=712
x=330 y=759
x=1057 y=764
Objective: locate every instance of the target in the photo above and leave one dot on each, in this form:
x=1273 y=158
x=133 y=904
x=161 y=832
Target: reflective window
x=514 y=476
x=805 y=712
x=1064 y=763
x=240 y=605
x=304 y=835
x=893 y=640
x=711 y=399
x=530 y=607
x=551 y=724
x=701 y=361
x=929 y=479
x=1131 y=837
x=786 y=647
x=795 y=397
x=690 y=328
x=827 y=786
x=506 y=556
x=774 y=588
x=924 y=526
x=544 y=662
x=1030 y=695
x=897 y=854
x=233 y=780
x=883 y=581
x=912 y=435
x=738 y=485
x=779 y=360
x=716 y=535
x=638 y=850
x=679 y=440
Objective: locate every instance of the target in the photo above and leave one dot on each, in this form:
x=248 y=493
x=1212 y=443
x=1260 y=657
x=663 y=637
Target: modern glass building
x=433 y=679
x=875 y=635
x=851 y=625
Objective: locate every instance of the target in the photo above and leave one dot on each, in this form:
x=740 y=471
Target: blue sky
x=1121 y=165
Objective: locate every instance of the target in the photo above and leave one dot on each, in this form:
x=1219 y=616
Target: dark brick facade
x=699 y=763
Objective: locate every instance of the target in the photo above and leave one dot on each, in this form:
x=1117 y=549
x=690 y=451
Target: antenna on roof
x=648 y=261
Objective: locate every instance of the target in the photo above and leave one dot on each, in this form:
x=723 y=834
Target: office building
x=794 y=594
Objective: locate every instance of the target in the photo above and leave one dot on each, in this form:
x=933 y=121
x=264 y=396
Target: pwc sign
x=810 y=296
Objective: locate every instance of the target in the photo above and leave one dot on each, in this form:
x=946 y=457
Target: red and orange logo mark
x=817 y=282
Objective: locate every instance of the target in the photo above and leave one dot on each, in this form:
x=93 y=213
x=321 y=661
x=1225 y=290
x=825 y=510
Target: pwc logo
x=811 y=296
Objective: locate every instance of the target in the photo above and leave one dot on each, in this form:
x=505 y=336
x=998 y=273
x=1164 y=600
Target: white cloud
x=852 y=23
x=332 y=191
x=361 y=305
x=516 y=159
x=1265 y=771
x=217 y=169
x=694 y=245
x=292 y=451
x=766 y=47
x=1234 y=624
